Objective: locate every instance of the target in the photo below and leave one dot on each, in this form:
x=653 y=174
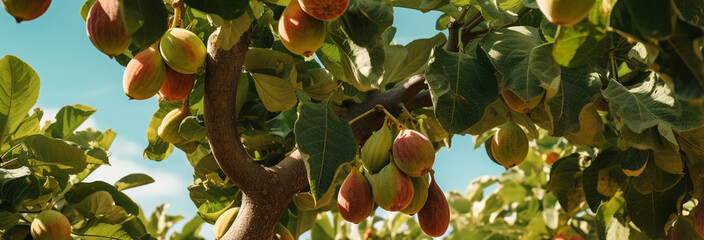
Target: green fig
x=324 y=9
x=299 y=32
x=355 y=200
x=144 y=75
x=434 y=218
x=224 y=222
x=168 y=130
x=183 y=51
x=105 y=28
x=25 y=10
x=50 y=225
x=413 y=153
x=392 y=189
x=509 y=146
x=420 y=194
x=176 y=85
x=376 y=151
x=516 y=103
x=565 y=12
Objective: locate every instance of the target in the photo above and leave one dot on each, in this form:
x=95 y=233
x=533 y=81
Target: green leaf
x=461 y=87
x=133 y=180
x=580 y=44
x=19 y=90
x=403 y=61
x=100 y=205
x=359 y=66
x=654 y=179
x=565 y=175
x=227 y=9
x=577 y=88
x=16 y=186
x=102 y=231
x=145 y=20
x=277 y=94
x=653 y=212
x=646 y=20
x=86 y=8
x=591 y=128
x=680 y=61
x=323 y=228
x=192 y=129
x=605 y=213
x=365 y=21
x=326 y=142
x=82 y=190
x=59 y=153
x=190 y=230
x=157 y=149
x=603 y=175
x=495 y=15
x=68 y=119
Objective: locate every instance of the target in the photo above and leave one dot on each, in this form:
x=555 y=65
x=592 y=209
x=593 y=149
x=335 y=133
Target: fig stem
x=177 y=17
x=380 y=107
x=362 y=115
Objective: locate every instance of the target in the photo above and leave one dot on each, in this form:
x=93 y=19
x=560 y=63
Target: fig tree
x=105 y=28
x=324 y=9
x=182 y=50
x=50 y=225
x=299 y=32
x=25 y=10
x=144 y=75
x=565 y=12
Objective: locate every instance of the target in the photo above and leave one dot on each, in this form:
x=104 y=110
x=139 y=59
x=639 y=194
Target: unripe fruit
x=516 y=103
x=420 y=194
x=176 y=85
x=509 y=145
x=324 y=9
x=224 y=222
x=299 y=32
x=105 y=28
x=182 y=50
x=550 y=157
x=25 y=10
x=413 y=153
x=50 y=225
x=282 y=233
x=376 y=151
x=565 y=12
x=392 y=189
x=168 y=130
x=355 y=199
x=434 y=218
x=144 y=75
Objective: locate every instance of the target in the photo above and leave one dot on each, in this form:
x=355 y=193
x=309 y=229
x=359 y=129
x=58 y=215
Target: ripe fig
x=434 y=218
x=376 y=151
x=182 y=50
x=105 y=28
x=550 y=157
x=355 y=199
x=516 y=103
x=324 y=9
x=420 y=195
x=698 y=218
x=225 y=221
x=413 y=153
x=168 y=130
x=144 y=75
x=392 y=189
x=25 y=10
x=176 y=85
x=282 y=233
x=299 y=32
x=50 y=225
x=565 y=12
x=509 y=146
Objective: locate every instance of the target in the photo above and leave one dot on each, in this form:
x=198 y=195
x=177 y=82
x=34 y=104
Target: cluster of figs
x=397 y=177
x=302 y=24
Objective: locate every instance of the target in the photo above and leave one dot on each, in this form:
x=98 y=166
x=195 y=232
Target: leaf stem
x=362 y=115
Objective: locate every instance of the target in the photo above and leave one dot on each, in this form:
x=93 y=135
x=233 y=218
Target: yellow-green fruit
x=105 y=28
x=376 y=151
x=182 y=50
x=224 y=222
x=509 y=145
x=299 y=32
x=392 y=189
x=516 y=103
x=282 y=233
x=355 y=200
x=413 y=153
x=50 y=225
x=144 y=75
x=420 y=194
x=168 y=130
x=25 y=10
x=565 y=12
x=324 y=9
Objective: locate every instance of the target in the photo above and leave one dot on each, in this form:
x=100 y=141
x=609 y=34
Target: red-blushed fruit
x=565 y=12
x=299 y=32
x=355 y=200
x=182 y=50
x=375 y=153
x=392 y=189
x=420 y=194
x=516 y=103
x=224 y=222
x=168 y=130
x=550 y=157
x=176 y=85
x=413 y=153
x=559 y=237
x=434 y=218
x=105 y=28
x=50 y=225
x=25 y=10
x=698 y=218
x=509 y=146
x=324 y=9
x=144 y=75
x=369 y=234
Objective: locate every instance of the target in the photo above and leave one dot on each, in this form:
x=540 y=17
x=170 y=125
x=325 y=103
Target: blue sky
x=72 y=71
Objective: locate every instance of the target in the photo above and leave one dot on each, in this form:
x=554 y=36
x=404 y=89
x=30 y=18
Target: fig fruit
x=225 y=221
x=176 y=85
x=50 y=225
x=413 y=153
x=299 y=32
x=182 y=50
x=565 y=12
x=324 y=9
x=168 y=130
x=25 y=10
x=376 y=151
x=420 y=195
x=105 y=28
x=392 y=189
x=282 y=233
x=516 y=103
x=509 y=146
x=698 y=218
x=434 y=218
x=144 y=75
x=550 y=157
x=355 y=199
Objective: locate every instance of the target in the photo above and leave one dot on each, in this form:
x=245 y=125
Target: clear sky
x=72 y=71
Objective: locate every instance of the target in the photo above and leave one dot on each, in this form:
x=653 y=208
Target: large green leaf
x=565 y=177
x=17 y=185
x=83 y=190
x=359 y=66
x=133 y=180
x=681 y=61
x=581 y=44
x=327 y=142
x=19 y=90
x=68 y=119
x=102 y=231
x=605 y=213
x=145 y=20
x=493 y=13
x=646 y=20
x=227 y=9
x=365 y=21
x=403 y=61
x=578 y=87
x=604 y=173
x=59 y=153
x=653 y=212
x=461 y=87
